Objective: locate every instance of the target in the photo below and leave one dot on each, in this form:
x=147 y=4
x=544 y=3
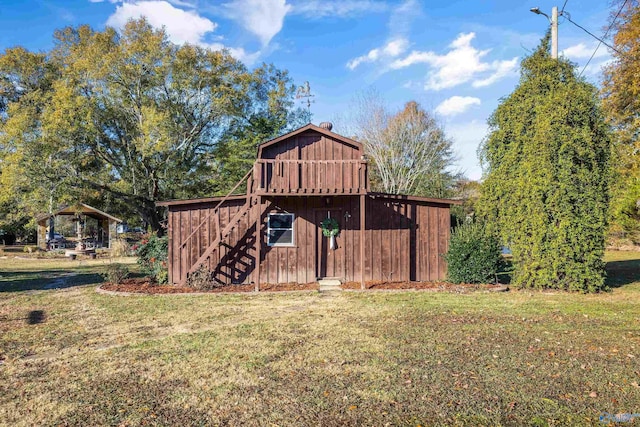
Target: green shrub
x=115 y=273
x=152 y=257
x=474 y=254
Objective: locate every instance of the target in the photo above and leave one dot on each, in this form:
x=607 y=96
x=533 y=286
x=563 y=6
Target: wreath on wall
x=330 y=227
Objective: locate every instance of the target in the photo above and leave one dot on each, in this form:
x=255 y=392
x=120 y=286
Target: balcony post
x=256 y=175
x=362 y=232
x=258 y=242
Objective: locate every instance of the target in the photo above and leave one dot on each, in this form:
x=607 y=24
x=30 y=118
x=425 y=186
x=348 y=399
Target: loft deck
x=310 y=177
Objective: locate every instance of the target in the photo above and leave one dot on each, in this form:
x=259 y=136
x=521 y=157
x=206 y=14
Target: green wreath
x=330 y=227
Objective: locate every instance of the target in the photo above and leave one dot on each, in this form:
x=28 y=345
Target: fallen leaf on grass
x=593 y=394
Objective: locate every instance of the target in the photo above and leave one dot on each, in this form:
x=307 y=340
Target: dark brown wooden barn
x=300 y=179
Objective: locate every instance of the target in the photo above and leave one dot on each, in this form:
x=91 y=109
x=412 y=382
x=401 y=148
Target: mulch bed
x=145 y=286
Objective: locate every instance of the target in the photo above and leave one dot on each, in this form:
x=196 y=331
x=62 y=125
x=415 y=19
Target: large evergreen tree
x=547 y=175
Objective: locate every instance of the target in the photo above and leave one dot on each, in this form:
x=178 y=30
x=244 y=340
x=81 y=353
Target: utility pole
x=554 y=28
x=554 y=32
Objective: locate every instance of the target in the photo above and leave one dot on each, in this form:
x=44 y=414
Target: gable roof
x=86 y=209
x=311 y=127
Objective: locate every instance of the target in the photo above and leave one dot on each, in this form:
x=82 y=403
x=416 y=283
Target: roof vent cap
x=326 y=125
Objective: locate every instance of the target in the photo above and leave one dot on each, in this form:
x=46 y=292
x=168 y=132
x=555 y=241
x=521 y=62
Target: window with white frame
x=280 y=229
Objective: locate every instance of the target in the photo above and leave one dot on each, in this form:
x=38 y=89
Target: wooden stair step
x=330 y=285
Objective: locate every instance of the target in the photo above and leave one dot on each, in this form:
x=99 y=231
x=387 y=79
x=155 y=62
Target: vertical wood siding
x=311 y=146
x=404 y=241
x=311 y=163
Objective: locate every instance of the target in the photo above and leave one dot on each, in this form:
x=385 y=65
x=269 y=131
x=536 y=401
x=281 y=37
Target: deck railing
x=310 y=176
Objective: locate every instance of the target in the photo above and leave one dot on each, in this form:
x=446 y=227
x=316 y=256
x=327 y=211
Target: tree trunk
x=152 y=215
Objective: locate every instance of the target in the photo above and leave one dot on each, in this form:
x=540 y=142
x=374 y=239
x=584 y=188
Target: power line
x=565 y=3
x=590 y=33
x=600 y=41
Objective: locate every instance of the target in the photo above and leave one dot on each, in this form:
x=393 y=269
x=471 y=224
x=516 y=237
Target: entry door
x=330 y=262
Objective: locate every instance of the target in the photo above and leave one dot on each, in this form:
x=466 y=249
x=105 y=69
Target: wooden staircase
x=268 y=177
x=221 y=234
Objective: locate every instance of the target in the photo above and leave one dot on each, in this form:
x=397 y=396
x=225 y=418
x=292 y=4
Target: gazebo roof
x=87 y=210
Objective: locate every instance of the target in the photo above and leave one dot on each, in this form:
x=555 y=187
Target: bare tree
x=409 y=150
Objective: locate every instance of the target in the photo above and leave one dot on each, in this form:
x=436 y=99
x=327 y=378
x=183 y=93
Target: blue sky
x=457 y=58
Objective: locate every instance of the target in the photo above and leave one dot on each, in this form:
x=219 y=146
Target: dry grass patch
x=518 y=358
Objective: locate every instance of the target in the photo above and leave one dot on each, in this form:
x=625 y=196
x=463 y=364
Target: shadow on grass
x=621 y=273
x=504 y=275
x=16 y=281
x=35 y=317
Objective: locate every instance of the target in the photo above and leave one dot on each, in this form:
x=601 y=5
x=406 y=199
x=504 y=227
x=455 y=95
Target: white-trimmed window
x=280 y=229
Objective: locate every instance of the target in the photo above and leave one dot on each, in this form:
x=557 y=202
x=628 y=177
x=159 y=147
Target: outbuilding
x=103 y=227
x=308 y=214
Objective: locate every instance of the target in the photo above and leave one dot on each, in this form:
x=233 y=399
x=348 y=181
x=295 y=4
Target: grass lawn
x=74 y=357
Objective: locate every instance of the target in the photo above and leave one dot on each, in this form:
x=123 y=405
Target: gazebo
x=106 y=224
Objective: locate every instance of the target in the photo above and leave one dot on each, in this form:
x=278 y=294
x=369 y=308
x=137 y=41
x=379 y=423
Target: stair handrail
x=215 y=209
x=223 y=234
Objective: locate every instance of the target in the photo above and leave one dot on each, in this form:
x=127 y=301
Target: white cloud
x=411 y=85
x=392 y=49
x=461 y=64
x=264 y=18
x=582 y=51
x=237 y=52
x=594 y=69
x=456 y=105
x=395 y=47
x=414 y=57
x=397 y=42
x=346 y=8
x=457 y=66
x=181 y=26
x=502 y=69
x=402 y=17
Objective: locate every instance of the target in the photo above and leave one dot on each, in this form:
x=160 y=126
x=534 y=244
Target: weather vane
x=304 y=92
